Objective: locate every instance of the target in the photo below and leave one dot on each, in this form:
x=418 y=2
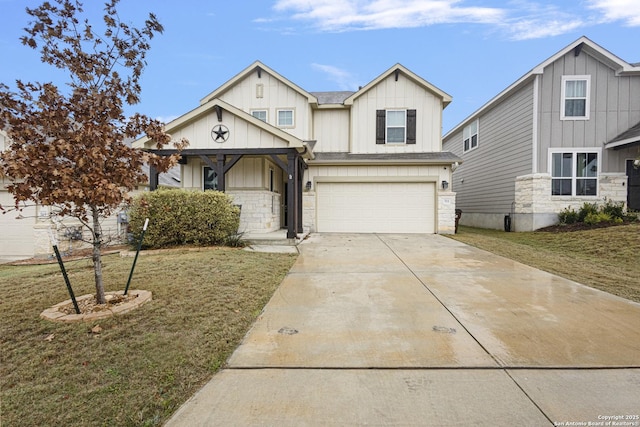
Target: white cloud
x=343 y=15
x=344 y=79
x=166 y=119
x=517 y=19
x=618 y=10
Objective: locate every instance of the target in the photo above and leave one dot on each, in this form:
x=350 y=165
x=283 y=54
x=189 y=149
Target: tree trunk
x=97 y=257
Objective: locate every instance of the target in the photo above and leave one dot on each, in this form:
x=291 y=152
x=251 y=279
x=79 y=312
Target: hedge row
x=182 y=217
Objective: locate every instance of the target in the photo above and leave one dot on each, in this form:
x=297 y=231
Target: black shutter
x=381 y=118
x=411 y=126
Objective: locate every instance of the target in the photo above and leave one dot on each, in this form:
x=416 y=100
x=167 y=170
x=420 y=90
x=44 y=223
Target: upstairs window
x=285 y=118
x=395 y=126
x=470 y=136
x=260 y=114
x=574 y=173
x=575 y=98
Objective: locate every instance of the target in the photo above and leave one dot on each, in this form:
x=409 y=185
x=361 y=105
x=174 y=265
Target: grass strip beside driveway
x=142 y=365
x=604 y=258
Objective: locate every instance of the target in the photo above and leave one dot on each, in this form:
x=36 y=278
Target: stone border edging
x=56 y=315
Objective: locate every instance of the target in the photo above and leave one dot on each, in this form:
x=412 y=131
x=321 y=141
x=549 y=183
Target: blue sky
x=471 y=49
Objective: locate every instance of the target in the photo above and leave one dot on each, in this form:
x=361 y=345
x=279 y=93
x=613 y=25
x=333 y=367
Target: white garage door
x=16 y=235
x=376 y=207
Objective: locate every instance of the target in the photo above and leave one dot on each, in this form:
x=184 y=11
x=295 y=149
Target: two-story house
x=566 y=133
x=364 y=161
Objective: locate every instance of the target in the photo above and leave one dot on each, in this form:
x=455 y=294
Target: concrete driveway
x=422 y=330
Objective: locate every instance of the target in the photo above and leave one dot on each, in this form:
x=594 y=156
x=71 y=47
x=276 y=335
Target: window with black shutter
x=396 y=126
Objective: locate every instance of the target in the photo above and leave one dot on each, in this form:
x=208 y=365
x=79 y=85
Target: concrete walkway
x=420 y=330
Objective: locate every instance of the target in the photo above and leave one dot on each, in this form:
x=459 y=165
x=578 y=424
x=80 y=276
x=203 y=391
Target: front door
x=633 y=186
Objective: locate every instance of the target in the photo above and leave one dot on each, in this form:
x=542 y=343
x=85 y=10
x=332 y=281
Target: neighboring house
x=365 y=161
x=26 y=233
x=17 y=238
x=565 y=133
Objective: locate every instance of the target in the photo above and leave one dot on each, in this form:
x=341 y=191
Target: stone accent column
x=446 y=212
x=613 y=186
x=309 y=211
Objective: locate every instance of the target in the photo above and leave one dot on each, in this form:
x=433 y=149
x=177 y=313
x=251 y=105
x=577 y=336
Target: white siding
x=275 y=95
x=242 y=134
x=401 y=94
x=331 y=131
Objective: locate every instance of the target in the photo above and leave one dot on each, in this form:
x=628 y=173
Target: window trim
x=574 y=170
x=261 y=110
x=587 y=97
x=387 y=126
x=293 y=118
x=470 y=138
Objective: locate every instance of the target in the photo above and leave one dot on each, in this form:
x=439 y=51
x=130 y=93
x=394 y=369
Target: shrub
x=568 y=216
x=586 y=209
x=613 y=209
x=181 y=217
x=596 y=218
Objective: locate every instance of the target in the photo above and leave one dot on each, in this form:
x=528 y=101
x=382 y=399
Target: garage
x=17 y=240
x=376 y=207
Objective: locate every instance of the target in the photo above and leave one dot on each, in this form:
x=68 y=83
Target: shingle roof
x=629 y=136
x=436 y=157
x=332 y=97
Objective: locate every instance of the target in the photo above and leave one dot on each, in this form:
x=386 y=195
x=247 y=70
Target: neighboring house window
x=470 y=136
x=210 y=181
x=285 y=118
x=260 y=114
x=395 y=126
x=574 y=173
x=575 y=97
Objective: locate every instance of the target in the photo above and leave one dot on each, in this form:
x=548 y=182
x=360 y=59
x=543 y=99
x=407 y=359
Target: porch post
x=291 y=195
x=221 y=173
x=153 y=178
x=300 y=185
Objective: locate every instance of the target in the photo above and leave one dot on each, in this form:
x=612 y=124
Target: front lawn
x=604 y=258
x=141 y=366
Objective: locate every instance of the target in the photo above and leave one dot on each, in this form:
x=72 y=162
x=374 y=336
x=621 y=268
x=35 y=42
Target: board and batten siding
x=400 y=94
x=614 y=108
x=242 y=134
x=485 y=181
x=275 y=95
x=331 y=131
x=248 y=173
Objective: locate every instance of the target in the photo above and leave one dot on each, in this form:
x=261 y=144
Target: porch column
x=292 y=210
x=300 y=184
x=221 y=172
x=153 y=178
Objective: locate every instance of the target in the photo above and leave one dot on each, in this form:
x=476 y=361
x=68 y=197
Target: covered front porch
x=264 y=194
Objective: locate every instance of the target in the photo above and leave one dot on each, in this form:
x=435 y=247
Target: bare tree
x=67 y=146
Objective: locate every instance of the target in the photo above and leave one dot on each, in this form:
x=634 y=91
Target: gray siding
x=504 y=152
x=614 y=108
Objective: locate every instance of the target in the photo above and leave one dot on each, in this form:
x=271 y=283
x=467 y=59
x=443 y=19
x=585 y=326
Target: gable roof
x=258 y=67
x=582 y=44
x=204 y=109
x=630 y=136
x=400 y=69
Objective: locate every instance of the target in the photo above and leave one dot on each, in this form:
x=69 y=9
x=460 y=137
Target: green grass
x=605 y=258
x=144 y=364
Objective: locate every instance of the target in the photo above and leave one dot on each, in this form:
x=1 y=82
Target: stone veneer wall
x=446 y=212
x=114 y=233
x=536 y=208
x=309 y=211
x=260 y=210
